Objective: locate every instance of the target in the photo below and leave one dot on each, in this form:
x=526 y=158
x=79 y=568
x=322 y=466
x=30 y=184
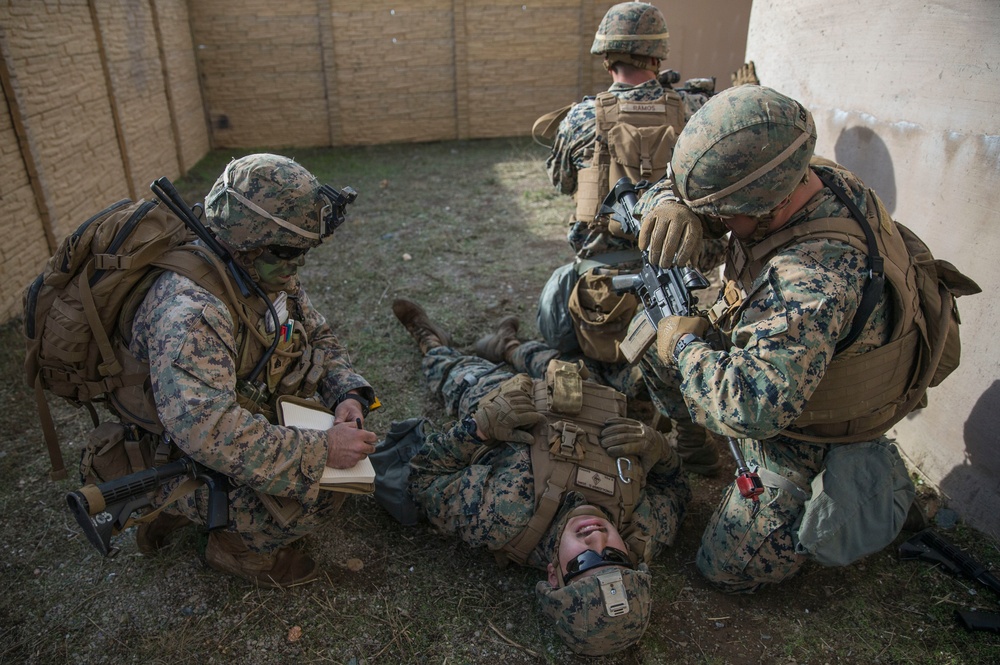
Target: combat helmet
x=631 y=29
x=601 y=613
x=264 y=199
x=743 y=152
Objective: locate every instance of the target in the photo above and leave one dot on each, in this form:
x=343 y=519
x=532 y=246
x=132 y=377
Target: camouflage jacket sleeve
x=485 y=504
x=340 y=376
x=783 y=341
x=573 y=139
x=190 y=344
x=660 y=513
x=660 y=192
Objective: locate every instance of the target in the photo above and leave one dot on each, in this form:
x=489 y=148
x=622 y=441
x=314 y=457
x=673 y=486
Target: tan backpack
x=633 y=140
x=72 y=309
x=862 y=396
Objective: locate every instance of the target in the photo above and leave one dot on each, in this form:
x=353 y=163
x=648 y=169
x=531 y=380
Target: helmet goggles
x=590 y=559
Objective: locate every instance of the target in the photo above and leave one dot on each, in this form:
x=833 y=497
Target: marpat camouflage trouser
x=748 y=545
x=248 y=517
x=460 y=380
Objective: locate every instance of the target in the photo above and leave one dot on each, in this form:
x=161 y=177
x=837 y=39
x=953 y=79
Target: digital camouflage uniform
x=782 y=341
x=188 y=336
x=574 y=139
x=200 y=359
x=488 y=503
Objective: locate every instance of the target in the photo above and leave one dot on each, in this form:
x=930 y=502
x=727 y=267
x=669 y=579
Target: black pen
x=358 y=421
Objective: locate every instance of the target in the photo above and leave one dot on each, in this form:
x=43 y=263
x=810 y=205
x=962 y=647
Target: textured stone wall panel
x=262 y=73
x=138 y=91
x=55 y=65
x=26 y=248
x=182 y=82
x=395 y=78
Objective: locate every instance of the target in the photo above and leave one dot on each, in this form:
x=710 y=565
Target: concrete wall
x=907 y=95
x=99 y=99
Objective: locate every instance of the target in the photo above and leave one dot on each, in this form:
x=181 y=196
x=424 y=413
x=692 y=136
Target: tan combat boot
x=418 y=324
x=227 y=553
x=151 y=536
x=496 y=346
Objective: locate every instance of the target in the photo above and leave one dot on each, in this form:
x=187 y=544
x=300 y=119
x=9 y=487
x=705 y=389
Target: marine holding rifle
x=201 y=344
x=823 y=353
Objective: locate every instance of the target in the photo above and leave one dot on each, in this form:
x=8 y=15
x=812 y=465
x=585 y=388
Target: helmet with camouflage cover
x=603 y=612
x=266 y=199
x=600 y=614
x=632 y=29
x=743 y=153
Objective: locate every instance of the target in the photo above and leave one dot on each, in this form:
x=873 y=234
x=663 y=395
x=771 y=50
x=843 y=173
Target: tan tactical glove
x=671 y=329
x=672 y=235
x=622 y=437
x=745 y=75
x=507 y=411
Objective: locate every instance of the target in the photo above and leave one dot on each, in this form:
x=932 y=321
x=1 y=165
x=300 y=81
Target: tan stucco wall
x=87 y=114
x=908 y=97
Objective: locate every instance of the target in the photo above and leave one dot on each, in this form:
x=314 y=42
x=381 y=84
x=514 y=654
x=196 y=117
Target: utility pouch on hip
x=858 y=505
x=600 y=315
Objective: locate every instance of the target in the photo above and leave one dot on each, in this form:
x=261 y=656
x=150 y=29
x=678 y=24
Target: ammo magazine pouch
x=567 y=456
x=861 y=396
x=560 y=321
x=632 y=139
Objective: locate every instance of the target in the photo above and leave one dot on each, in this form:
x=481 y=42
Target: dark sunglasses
x=285 y=253
x=589 y=559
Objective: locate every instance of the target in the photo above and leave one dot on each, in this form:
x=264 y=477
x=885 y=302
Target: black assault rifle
x=104 y=510
x=663 y=292
x=929 y=546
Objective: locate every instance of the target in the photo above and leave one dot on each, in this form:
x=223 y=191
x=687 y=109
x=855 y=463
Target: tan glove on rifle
x=671 y=329
x=672 y=235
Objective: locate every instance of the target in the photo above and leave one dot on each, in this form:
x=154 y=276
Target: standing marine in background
x=628 y=130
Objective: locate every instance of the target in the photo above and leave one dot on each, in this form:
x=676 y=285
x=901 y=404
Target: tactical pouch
x=111 y=453
x=640 y=151
x=600 y=316
x=591 y=188
x=858 y=505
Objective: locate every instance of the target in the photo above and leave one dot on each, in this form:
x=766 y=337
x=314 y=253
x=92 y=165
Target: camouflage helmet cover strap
x=753 y=176
x=228 y=189
x=636 y=28
x=743 y=152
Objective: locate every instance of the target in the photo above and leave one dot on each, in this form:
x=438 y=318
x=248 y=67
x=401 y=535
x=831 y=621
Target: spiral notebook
x=359 y=479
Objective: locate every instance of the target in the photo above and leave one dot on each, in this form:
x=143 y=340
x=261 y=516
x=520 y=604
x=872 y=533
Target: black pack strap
x=876 y=266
